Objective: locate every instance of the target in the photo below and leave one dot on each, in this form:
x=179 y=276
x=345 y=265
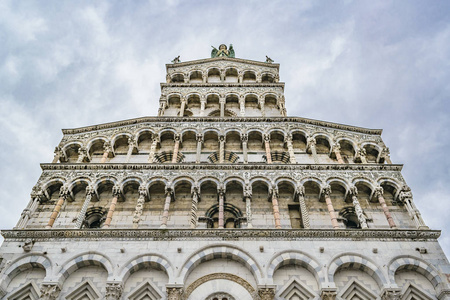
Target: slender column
x=199 y=147
x=259 y=78
x=202 y=105
x=183 y=106
x=205 y=77
x=326 y=191
x=186 y=78
x=221 y=148
x=82 y=154
x=358 y=209
x=275 y=207
x=63 y=194
x=240 y=77
x=290 y=149
x=165 y=216
x=267 y=146
x=221 y=192
x=244 y=139
x=90 y=191
x=114 y=290
x=248 y=205
x=222 y=106
x=379 y=195
x=261 y=105
x=162 y=105
x=407 y=198
x=242 y=105
x=139 y=206
x=337 y=152
x=282 y=106
x=303 y=210
x=107 y=149
x=31 y=208
x=222 y=75
x=131 y=146
x=112 y=206
x=58 y=155
x=151 y=155
x=311 y=145
x=176 y=147
x=194 y=217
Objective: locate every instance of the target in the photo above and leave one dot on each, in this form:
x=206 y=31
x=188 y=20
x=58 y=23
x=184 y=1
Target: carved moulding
x=223 y=234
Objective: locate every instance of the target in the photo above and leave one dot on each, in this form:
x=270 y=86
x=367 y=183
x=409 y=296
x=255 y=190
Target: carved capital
x=90 y=190
x=142 y=191
x=174 y=293
x=328 y=294
x=113 y=291
x=244 y=137
x=300 y=190
x=405 y=193
x=177 y=137
x=379 y=191
x=326 y=190
x=107 y=147
x=221 y=138
x=248 y=193
x=311 y=141
x=50 y=291
x=64 y=191
x=266 y=293
x=116 y=190
x=353 y=190
x=266 y=137
x=391 y=294
x=199 y=137
x=336 y=147
x=168 y=191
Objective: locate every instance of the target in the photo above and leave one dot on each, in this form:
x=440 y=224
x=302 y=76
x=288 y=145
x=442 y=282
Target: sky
x=374 y=64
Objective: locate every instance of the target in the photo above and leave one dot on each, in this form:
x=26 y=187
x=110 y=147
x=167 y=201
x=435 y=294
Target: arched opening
x=270 y=105
x=347 y=151
x=144 y=141
x=233 y=142
x=188 y=146
x=249 y=76
x=322 y=145
x=267 y=78
x=213 y=75
x=232 y=103
x=232 y=216
x=196 y=77
x=231 y=75
x=177 y=78
x=212 y=103
x=371 y=153
x=96 y=150
x=72 y=153
x=299 y=142
x=255 y=146
x=251 y=106
x=193 y=105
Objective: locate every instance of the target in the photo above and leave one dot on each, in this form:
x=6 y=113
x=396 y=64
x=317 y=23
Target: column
x=337 y=152
x=240 y=77
x=63 y=194
x=165 y=216
x=194 y=217
x=267 y=146
x=114 y=290
x=151 y=155
x=107 y=149
x=248 y=205
x=221 y=148
x=82 y=155
x=311 y=145
x=31 y=208
x=222 y=75
x=162 y=105
x=259 y=78
x=244 y=139
x=358 y=210
x=202 y=105
x=131 y=146
x=186 y=77
x=379 y=195
x=242 y=105
x=300 y=191
x=275 y=207
x=407 y=198
x=176 y=146
x=261 y=105
x=58 y=155
x=112 y=206
x=183 y=106
x=205 y=77
x=266 y=293
x=199 y=147
x=290 y=149
x=90 y=191
x=49 y=291
x=221 y=192
x=222 y=106
x=385 y=153
x=174 y=292
x=139 y=206
x=326 y=191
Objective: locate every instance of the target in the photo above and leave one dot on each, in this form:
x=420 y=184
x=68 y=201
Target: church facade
x=222 y=196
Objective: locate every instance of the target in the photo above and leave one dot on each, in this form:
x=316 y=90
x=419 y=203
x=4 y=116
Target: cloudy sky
x=375 y=64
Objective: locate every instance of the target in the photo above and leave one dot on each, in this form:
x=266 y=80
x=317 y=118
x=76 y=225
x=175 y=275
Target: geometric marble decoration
x=295 y=290
x=355 y=290
x=146 y=291
x=413 y=292
x=26 y=292
x=84 y=291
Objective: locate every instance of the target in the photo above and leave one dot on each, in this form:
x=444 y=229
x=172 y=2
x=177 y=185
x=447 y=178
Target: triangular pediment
x=28 y=291
x=296 y=290
x=146 y=291
x=85 y=290
x=412 y=291
x=354 y=290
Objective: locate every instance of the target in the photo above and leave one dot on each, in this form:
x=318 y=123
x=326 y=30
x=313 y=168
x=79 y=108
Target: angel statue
x=222 y=51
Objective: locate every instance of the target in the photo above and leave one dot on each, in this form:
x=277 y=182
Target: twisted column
x=267 y=146
x=326 y=191
x=407 y=198
x=221 y=192
x=275 y=207
x=90 y=191
x=63 y=194
x=221 y=148
x=199 y=147
x=244 y=139
x=112 y=206
x=379 y=195
x=194 y=216
x=357 y=206
x=131 y=146
x=165 y=216
x=300 y=191
x=106 y=150
x=311 y=145
x=248 y=205
x=151 y=155
x=337 y=152
x=290 y=149
x=176 y=147
x=139 y=206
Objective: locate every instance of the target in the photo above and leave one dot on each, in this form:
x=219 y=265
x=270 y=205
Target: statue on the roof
x=222 y=51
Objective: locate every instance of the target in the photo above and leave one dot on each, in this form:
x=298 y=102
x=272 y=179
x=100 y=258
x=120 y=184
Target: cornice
x=220 y=234
x=224 y=119
x=194 y=166
x=207 y=60
x=223 y=84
